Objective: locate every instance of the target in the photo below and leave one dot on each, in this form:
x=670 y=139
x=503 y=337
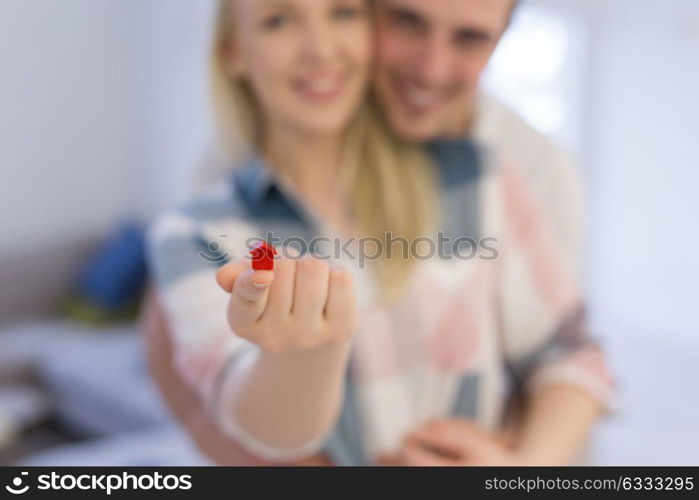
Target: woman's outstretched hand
x=302 y=316
x=301 y=306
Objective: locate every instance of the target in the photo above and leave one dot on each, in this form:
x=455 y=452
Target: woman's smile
x=322 y=87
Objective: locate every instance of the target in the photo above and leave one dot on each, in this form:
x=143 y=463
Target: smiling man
x=430 y=59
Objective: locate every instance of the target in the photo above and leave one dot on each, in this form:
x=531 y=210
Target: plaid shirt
x=464 y=334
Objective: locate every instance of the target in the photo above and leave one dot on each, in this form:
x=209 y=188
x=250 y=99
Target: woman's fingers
x=226 y=276
x=281 y=295
x=341 y=308
x=299 y=306
x=310 y=289
x=249 y=297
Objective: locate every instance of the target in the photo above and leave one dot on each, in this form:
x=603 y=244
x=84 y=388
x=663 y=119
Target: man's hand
x=456 y=442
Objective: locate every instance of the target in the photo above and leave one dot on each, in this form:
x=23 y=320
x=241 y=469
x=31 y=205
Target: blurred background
x=104 y=122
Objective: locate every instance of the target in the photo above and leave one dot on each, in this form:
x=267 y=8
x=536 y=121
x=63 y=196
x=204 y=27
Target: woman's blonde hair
x=392 y=183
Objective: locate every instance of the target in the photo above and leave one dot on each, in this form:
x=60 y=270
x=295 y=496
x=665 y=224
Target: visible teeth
x=323 y=85
x=421 y=98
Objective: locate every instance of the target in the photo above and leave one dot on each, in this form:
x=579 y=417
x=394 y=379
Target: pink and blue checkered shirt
x=465 y=335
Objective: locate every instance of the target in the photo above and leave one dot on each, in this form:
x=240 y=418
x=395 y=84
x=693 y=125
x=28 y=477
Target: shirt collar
x=459 y=160
x=266 y=196
x=255 y=180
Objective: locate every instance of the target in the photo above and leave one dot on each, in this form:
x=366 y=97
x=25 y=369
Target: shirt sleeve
x=550 y=173
x=184 y=269
x=544 y=322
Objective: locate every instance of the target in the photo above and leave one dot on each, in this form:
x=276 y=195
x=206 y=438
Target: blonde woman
x=357 y=359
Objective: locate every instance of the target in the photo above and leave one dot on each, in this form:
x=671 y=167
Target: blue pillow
x=116 y=274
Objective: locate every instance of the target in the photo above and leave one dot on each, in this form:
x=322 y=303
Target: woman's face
x=307 y=61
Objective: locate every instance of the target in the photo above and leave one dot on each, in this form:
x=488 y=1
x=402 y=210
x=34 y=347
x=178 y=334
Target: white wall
x=643 y=172
x=69 y=136
x=644 y=166
x=102 y=111
x=175 y=57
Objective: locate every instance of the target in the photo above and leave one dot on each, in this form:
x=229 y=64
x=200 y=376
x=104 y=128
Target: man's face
x=431 y=54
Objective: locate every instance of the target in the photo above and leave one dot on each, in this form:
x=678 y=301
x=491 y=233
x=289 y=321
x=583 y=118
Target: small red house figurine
x=263 y=256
